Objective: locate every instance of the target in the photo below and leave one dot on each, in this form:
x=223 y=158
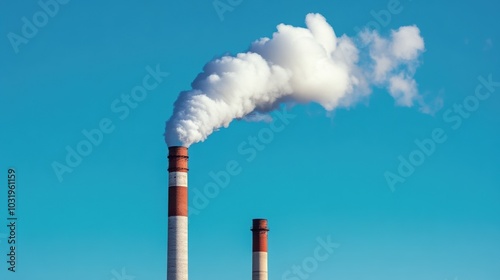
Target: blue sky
x=321 y=177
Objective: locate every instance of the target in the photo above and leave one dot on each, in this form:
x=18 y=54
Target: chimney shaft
x=259 y=249
x=177 y=252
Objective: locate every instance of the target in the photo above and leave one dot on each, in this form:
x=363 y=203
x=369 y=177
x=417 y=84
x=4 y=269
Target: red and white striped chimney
x=259 y=249
x=177 y=252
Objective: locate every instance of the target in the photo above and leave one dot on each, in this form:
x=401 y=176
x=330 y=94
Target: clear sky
x=320 y=176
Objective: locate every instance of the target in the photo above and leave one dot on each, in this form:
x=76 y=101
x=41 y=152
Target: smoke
x=296 y=65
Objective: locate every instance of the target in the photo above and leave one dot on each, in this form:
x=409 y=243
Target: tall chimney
x=259 y=249
x=177 y=255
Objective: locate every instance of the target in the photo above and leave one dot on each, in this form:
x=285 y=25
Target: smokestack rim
x=177 y=151
x=259 y=225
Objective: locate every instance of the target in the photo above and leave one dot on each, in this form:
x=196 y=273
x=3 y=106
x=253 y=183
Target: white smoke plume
x=298 y=65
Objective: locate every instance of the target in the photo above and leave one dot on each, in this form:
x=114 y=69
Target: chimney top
x=260 y=225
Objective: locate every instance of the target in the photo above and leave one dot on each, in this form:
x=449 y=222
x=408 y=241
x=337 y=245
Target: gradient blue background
x=323 y=175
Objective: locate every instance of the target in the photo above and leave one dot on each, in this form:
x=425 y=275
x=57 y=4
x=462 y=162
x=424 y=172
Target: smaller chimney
x=259 y=249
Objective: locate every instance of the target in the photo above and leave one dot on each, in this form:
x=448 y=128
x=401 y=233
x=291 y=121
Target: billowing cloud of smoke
x=297 y=65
